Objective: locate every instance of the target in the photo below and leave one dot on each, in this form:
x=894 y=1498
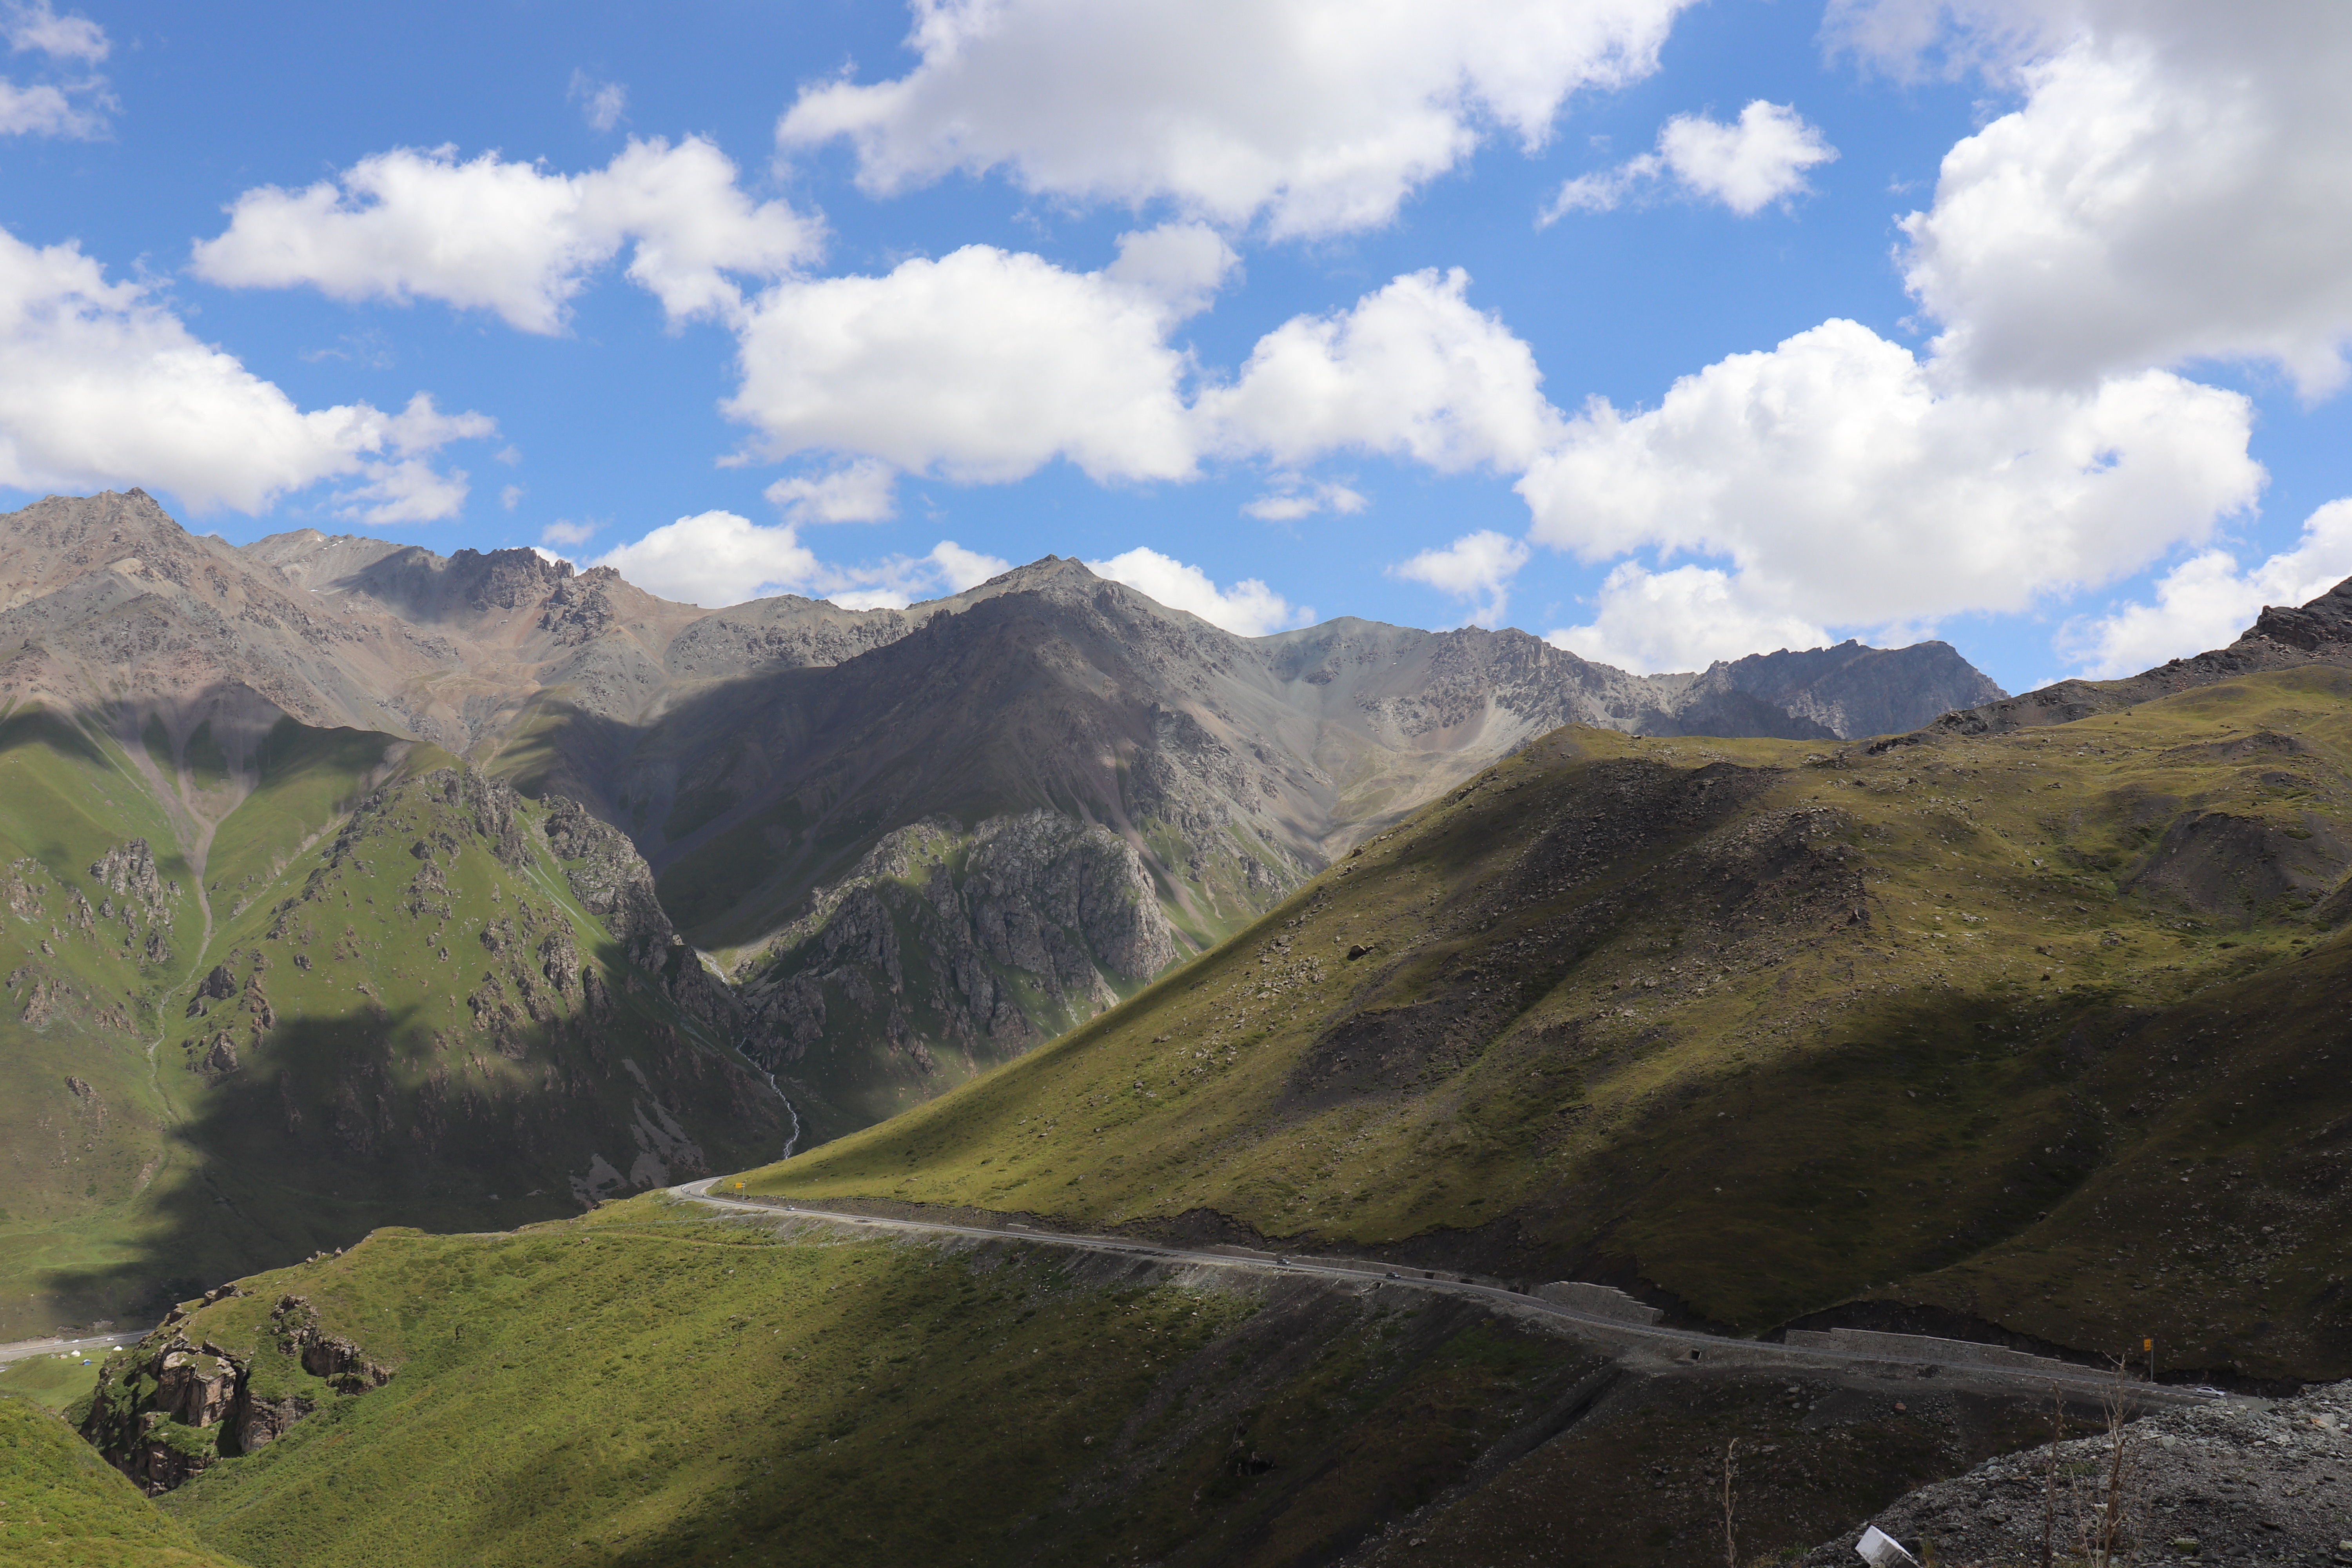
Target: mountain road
x=1630 y=1340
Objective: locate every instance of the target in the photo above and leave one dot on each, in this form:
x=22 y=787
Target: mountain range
x=920 y=840
x=2016 y=1023
x=2021 y=1034
x=2016 y=1026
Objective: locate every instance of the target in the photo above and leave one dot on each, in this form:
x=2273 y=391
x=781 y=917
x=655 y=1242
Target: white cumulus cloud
x=1760 y=159
x=101 y=384
x=1414 y=370
x=565 y=532
x=512 y=239
x=1850 y=484
x=2207 y=600
x=986 y=365
x=1685 y=618
x=1181 y=265
x=983 y=365
x=853 y=492
x=901 y=580
x=42 y=110
x=1294 y=496
x=718 y=558
x=1249 y=608
x=1323 y=115
x=1476 y=569
x=1746 y=166
x=2170 y=186
x=960 y=568
x=860 y=491
x=2176 y=184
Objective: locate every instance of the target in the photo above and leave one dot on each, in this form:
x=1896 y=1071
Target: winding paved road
x=1639 y=1339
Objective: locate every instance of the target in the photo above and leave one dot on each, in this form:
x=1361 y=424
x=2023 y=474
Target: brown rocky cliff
x=612 y=882
x=1025 y=925
x=170 y=1408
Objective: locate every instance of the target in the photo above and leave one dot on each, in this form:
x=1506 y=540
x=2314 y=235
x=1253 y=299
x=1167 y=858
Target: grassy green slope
x=62 y=1506
x=53 y=1381
x=417 y=1022
x=642 y=1387
x=306 y=779
x=368 y=1057
x=2030 y=1029
x=84 y=1127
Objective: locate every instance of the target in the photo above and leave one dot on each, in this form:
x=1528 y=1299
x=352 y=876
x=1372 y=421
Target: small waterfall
x=791 y=1109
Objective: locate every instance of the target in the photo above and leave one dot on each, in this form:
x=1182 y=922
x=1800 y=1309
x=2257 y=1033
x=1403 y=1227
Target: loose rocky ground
x=2238 y=1481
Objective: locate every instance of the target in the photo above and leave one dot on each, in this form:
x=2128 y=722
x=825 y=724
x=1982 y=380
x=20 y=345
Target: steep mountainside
x=378 y=983
x=758 y=756
x=985 y=942
x=2028 y=1034
x=1232 y=768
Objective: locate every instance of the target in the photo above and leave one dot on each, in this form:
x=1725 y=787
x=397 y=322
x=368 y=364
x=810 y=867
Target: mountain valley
x=871 y=854
x=1895 y=1036
x=1054 y=912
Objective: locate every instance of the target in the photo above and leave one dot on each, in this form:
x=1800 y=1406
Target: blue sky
x=695 y=289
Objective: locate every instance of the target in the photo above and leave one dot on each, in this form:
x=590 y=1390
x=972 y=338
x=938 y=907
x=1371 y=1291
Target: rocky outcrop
x=2231 y=1482
x=340 y=1363
x=1019 y=928
x=133 y=895
x=128 y=871
x=612 y=882
x=2319 y=632
x=217 y=986
x=170 y=1408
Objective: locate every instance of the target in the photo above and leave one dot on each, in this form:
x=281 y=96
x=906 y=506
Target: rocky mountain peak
x=460 y=588
x=2281 y=637
x=1044 y=572
x=60 y=538
x=505 y=579
x=2324 y=623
